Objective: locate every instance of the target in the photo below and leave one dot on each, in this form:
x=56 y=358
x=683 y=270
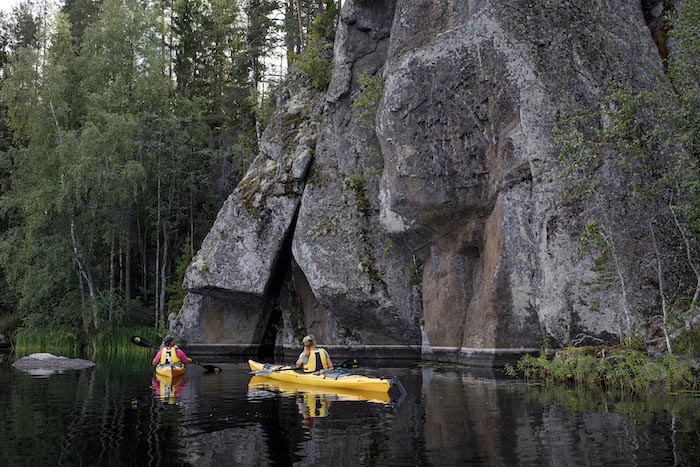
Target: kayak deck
x=169 y=370
x=329 y=379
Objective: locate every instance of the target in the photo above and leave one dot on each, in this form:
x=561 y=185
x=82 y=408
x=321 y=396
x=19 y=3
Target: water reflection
x=117 y=414
x=259 y=384
x=167 y=389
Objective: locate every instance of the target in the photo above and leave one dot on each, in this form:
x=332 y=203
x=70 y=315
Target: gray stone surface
x=440 y=225
x=360 y=282
x=466 y=127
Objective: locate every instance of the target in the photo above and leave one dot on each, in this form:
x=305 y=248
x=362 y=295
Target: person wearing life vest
x=170 y=354
x=313 y=359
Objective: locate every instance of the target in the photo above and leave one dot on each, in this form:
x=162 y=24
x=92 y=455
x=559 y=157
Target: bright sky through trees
x=6 y=5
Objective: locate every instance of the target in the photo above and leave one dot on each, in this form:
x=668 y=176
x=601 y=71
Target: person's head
x=309 y=341
x=168 y=341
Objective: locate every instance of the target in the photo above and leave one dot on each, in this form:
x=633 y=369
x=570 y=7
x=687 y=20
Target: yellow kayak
x=169 y=370
x=169 y=380
x=285 y=388
x=336 y=379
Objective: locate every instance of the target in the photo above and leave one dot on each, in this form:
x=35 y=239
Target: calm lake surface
x=117 y=414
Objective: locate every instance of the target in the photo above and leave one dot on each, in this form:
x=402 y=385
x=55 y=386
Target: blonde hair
x=308 y=341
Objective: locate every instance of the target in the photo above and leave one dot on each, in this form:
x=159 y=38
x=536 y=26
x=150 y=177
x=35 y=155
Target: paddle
x=345 y=364
x=144 y=343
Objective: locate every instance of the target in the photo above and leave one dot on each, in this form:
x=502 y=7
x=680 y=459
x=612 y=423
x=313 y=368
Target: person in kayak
x=320 y=360
x=170 y=353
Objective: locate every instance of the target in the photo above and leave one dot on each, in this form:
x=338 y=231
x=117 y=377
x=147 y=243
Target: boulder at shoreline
x=50 y=362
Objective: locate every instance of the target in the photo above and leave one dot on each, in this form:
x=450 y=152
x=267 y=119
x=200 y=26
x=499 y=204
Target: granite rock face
x=466 y=128
x=361 y=282
x=439 y=223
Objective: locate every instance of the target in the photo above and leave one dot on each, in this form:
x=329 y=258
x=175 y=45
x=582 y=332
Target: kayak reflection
x=313 y=401
x=167 y=389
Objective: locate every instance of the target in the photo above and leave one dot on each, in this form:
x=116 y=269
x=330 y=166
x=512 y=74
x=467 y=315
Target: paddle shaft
x=345 y=364
x=144 y=343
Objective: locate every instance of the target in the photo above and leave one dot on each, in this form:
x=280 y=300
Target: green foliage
x=578 y=157
x=116 y=342
x=113 y=155
x=174 y=290
x=316 y=61
x=326 y=22
x=56 y=340
x=366 y=102
x=316 y=64
x=688 y=342
x=650 y=138
x=626 y=370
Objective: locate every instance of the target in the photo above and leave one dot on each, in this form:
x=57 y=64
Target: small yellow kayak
x=257 y=383
x=170 y=370
x=331 y=379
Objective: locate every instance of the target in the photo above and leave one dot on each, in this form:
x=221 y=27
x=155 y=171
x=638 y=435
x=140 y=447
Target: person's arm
x=328 y=359
x=156 y=359
x=183 y=358
x=300 y=360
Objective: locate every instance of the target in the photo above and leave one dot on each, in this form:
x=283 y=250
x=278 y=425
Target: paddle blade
x=212 y=369
x=350 y=363
x=140 y=341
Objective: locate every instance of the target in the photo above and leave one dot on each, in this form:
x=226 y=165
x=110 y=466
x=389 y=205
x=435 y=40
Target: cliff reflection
x=473 y=417
x=451 y=416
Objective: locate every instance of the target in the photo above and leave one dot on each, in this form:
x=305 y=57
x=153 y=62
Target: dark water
x=116 y=415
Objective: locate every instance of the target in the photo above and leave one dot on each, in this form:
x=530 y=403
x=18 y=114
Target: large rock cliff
x=439 y=224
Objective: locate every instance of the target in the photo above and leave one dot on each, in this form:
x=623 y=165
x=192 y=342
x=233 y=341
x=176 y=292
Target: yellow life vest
x=167 y=392
x=317 y=361
x=315 y=406
x=169 y=355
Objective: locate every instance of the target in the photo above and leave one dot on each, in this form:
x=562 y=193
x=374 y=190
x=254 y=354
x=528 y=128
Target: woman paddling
x=320 y=361
x=170 y=354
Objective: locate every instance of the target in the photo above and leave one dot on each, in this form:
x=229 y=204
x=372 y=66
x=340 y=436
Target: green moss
x=388 y=246
x=619 y=368
x=356 y=183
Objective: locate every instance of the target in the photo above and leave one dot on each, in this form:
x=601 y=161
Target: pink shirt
x=180 y=354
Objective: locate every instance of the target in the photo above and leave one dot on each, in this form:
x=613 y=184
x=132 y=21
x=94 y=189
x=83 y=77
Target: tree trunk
x=127 y=256
x=662 y=292
x=691 y=262
x=81 y=287
x=112 y=253
x=191 y=226
x=301 y=26
x=627 y=313
x=84 y=272
x=157 y=265
x=163 y=279
x=141 y=238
